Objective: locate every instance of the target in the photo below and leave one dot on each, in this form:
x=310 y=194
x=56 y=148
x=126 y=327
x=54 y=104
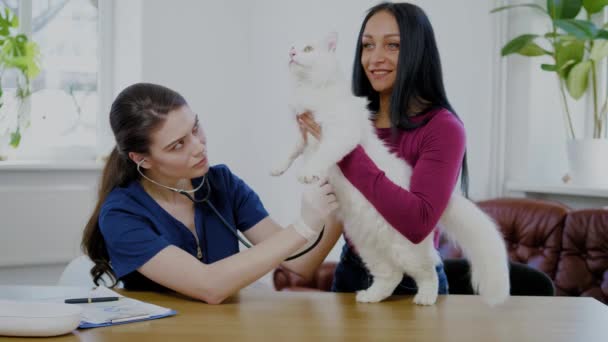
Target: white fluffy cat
x=318 y=87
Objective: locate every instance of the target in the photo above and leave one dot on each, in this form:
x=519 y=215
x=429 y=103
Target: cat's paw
x=281 y=167
x=425 y=297
x=369 y=296
x=308 y=179
x=311 y=174
x=278 y=171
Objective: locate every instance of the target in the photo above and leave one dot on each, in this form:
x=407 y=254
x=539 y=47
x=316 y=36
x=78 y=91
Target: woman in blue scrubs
x=148 y=235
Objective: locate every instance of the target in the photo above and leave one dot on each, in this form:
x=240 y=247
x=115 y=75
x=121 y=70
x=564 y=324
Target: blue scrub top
x=135 y=227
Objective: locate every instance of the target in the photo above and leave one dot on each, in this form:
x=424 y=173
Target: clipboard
x=101 y=314
x=125 y=310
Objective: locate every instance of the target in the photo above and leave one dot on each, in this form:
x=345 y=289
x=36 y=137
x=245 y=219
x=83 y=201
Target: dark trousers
x=454 y=275
x=525 y=280
x=351 y=275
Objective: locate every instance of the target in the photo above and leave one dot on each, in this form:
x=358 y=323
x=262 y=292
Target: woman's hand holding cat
x=316 y=167
x=307 y=124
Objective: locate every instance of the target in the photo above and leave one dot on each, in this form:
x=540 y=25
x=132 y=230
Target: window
x=65 y=100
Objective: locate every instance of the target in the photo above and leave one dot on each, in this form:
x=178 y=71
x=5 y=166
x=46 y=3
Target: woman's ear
x=138 y=158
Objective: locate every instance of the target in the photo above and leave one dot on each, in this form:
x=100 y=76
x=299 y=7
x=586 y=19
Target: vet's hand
x=308 y=125
x=318 y=203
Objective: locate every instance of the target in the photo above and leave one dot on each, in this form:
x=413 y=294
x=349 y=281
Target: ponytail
x=118 y=171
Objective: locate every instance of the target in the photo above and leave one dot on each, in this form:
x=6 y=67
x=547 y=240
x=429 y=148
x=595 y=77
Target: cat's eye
x=308 y=48
x=178 y=146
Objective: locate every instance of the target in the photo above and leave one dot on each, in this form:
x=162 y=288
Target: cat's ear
x=331 y=41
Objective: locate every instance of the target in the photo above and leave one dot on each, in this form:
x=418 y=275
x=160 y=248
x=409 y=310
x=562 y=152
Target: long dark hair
x=419 y=73
x=135 y=113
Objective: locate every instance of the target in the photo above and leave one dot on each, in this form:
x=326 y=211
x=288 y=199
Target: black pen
x=90 y=300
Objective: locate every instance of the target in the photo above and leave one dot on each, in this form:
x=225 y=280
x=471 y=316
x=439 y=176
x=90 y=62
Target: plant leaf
x=568 y=53
x=551 y=35
x=22 y=54
x=5 y=22
x=15 y=138
x=517 y=44
x=578 y=79
x=602 y=34
x=535 y=6
x=14 y=20
x=564 y=9
x=599 y=51
x=548 y=67
x=594 y=6
x=532 y=50
x=566 y=67
x=581 y=29
x=559 y=36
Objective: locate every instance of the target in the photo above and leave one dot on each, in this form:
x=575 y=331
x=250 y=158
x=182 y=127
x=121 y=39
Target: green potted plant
x=577 y=43
x=17 y=53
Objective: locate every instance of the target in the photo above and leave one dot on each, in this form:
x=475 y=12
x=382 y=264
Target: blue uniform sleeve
x=247 y=206
x=130 y=240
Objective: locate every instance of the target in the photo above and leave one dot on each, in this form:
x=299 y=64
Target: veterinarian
x=166 y=219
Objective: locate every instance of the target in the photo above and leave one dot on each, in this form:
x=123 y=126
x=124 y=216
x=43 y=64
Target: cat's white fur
x=318 y=87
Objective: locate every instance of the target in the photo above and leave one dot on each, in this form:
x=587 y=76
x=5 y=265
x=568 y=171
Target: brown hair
x=135 y=113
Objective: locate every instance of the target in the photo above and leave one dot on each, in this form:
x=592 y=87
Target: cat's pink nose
x=292 y=52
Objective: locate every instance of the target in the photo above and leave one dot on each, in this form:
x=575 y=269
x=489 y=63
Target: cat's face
x=311 y=62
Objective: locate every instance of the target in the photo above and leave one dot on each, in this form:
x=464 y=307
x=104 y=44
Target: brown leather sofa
x=570 y=246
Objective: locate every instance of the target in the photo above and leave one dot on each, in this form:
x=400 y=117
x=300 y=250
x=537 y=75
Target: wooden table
x=264 y=315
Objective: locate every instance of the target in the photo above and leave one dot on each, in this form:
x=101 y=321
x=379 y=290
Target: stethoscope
x=191 y=194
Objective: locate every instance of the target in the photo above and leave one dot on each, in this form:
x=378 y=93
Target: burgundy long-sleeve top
x=435 y=153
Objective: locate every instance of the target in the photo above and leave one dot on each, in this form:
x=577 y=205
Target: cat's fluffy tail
x=477 y=234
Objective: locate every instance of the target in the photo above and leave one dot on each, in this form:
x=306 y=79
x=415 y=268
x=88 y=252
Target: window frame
x=105 y=64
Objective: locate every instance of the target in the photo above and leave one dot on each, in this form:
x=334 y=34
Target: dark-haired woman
x=398 y=69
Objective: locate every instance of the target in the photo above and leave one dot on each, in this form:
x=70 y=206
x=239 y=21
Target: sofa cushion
x=284 y=279
x=531 y=228
x=583 y=265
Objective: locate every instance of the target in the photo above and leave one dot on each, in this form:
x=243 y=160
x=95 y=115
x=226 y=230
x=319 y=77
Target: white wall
x=201 y=50
x=228 y=58
x=230 y=63
x=44 y=210
x=232 y=69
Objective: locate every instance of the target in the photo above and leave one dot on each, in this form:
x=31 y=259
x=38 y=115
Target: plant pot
x=588 y=160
